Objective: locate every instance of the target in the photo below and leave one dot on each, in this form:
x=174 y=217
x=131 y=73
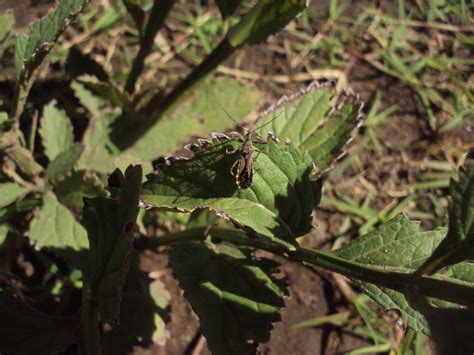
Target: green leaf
x=459 y=243
x=56 y=228
x=197 y=114
x=64 y=162
x=9 y=192
x=6 y=22
x=278 y=205
x=266 y=18
x=72 y=189
x=236 y=298
x=399 y=246
x=228 y=7
x=139 y=325
x=109 y=223
x=316 y=120
x=32 y=48
x=45 y=334
x=56 y=131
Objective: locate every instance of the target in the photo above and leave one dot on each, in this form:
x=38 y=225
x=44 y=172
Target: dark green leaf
x=25 y=330
x=33 y=47
x=64 y=162
x=316 y=120
x=459 y=243
x=277 y=206
x=266 y=18
x=56 y=131
x=56 y=228
x=235 y=297
x=110 y=223
x=399 y=246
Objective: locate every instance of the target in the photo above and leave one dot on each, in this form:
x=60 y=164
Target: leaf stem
x=450 y=291
x=158 y=14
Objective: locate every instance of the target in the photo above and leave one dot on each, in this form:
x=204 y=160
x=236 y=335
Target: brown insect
x=242 y=169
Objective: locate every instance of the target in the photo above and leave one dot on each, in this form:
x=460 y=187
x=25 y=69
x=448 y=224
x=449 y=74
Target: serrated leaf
x=197 y=114
x=235 y=297
x=459 y=243
x=264 y=19
x=72 y=189
x=56 y=131
x=9 y=192
x=109 y=223
x=56 y=228
x=139 y=325
x=33 y=47
x=64 y=162
x=278 y=205
x=316 y=121
x=228 y=7
x=6 y=22
x=45 y=334
x=399 y=246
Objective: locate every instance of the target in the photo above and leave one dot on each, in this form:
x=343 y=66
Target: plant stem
x=450 y=291
x=158 y=14
x=212 y=61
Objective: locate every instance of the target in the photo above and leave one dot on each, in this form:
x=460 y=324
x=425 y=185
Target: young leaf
x=56 y=131
x=235 y=297
x=399 y=246
x=263 y=20
x=45 y=334
x=228 y=7
x=32 y=48
x=9 y=192
x=64 y=162
x=6 y=23
x=459 y=243
x=315 y=121
x=278 y=205
x=56 y=228
x=109 y=223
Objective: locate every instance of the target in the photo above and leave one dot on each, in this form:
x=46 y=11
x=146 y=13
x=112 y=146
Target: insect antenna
x=266 y=124
x=228 y=114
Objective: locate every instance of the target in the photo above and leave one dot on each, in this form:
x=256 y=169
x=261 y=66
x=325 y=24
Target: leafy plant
x=78 y=202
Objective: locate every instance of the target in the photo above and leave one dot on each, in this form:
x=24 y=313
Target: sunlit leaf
x=9 y=192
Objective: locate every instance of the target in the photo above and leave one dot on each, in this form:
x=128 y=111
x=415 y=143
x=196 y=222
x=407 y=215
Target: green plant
x=78 y=202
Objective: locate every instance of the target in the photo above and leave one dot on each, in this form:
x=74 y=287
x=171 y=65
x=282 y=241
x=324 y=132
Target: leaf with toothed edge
x=277 y=206
x=316 y=120
x=236 y=297
x=109 y=223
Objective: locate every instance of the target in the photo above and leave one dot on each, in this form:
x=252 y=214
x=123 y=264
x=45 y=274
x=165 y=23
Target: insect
x=242 y=169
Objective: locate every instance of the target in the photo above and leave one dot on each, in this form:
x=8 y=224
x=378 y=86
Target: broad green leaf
x=143 y=324
x=109 y=223
x=198 y=113
x=236 y=297
x=64 y=162
x=56 y=228
x=72 y=189
x=266 y=18
x=6 y=22
x=33 y=47
x=399 y=246
x=25 y=330
x=56 y=131
x=228 y=7
x=315 y=120
x=9 y=192
x=278 y=205
x=459 y=243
